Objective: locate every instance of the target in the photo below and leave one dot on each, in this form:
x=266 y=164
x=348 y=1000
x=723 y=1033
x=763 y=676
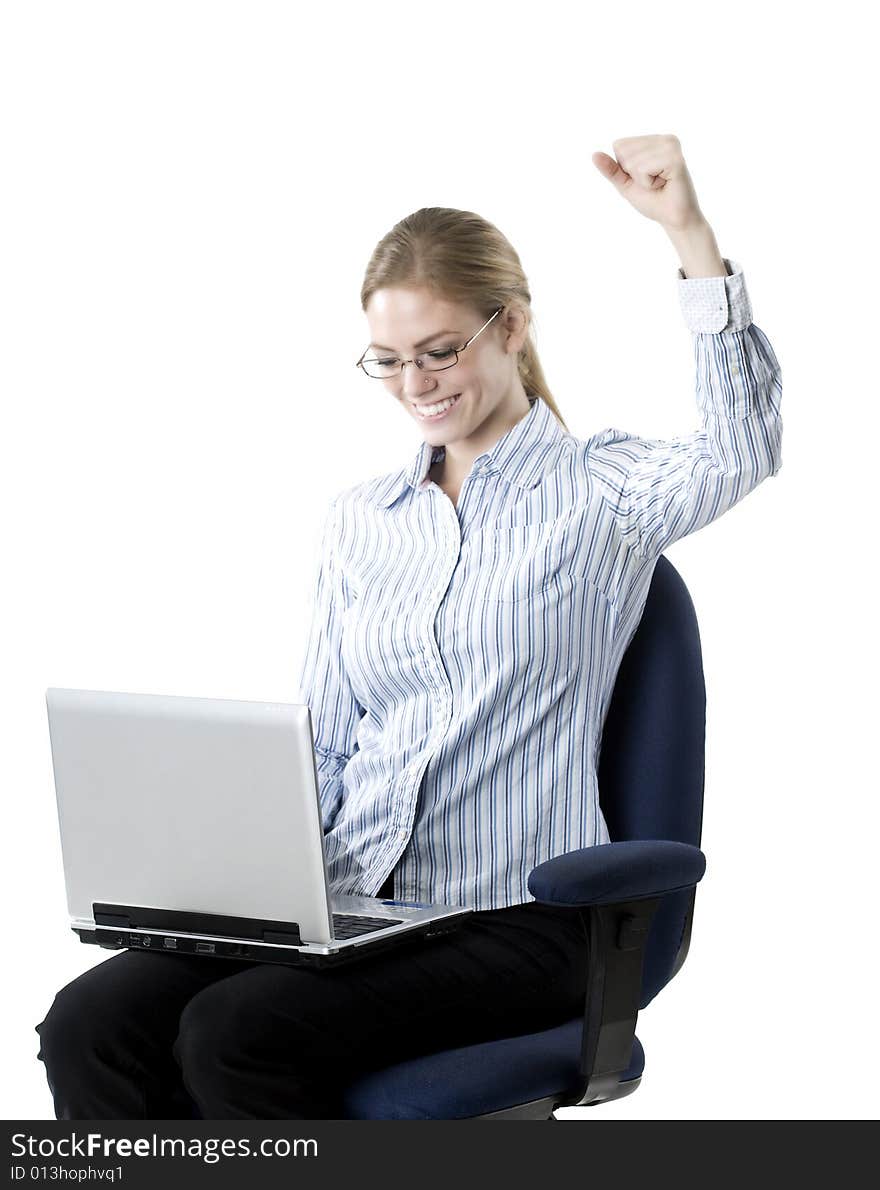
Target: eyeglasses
x=382 y=368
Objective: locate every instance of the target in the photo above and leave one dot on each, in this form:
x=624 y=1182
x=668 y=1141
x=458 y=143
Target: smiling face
x=405 y=322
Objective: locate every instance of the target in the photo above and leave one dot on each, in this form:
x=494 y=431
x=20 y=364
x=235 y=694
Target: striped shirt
x=461 y=660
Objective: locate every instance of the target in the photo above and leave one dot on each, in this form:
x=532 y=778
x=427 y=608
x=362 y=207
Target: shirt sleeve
x=324 y=685
x=662 y=489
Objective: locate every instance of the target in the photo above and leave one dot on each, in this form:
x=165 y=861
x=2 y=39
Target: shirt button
x=401 y=834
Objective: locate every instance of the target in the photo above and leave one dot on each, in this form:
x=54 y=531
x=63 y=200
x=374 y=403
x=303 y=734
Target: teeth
x=429 y=410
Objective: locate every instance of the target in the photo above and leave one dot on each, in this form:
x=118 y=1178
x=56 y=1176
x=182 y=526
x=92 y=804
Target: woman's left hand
x=651 y=174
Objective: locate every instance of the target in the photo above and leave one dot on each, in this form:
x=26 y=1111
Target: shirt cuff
x=713 y=304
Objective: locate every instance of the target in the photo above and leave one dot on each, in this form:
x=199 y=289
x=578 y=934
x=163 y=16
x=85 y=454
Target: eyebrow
x=421 y=343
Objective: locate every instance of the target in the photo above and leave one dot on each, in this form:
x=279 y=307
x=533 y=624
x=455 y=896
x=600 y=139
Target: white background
x=191 y=194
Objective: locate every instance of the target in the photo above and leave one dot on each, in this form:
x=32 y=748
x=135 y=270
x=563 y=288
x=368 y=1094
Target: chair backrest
x=652 y=760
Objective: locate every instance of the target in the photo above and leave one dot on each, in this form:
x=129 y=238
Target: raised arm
x=324 y=685
x=662 y=489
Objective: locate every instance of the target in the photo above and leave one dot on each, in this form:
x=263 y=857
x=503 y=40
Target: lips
x=426 y=418
x=436 y=401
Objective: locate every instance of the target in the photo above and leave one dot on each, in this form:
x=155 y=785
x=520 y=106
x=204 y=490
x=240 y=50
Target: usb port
x=204 y=947
x=170 y=943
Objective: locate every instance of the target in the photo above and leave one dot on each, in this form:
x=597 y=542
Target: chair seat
x=476 y=1079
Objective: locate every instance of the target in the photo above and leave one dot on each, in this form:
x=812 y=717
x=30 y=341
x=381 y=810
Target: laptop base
x=245 y=951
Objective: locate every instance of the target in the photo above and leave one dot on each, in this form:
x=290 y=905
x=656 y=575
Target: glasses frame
x=417 y=359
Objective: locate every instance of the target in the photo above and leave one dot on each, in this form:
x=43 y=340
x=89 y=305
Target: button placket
x=435 y=677
x=434 y=670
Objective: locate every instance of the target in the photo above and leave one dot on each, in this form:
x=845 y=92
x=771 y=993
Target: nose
x=417 y=384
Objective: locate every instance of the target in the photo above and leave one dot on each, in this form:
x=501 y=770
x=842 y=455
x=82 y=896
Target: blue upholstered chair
x=636 y=895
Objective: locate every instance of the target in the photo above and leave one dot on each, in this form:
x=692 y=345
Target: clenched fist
x=651 y=175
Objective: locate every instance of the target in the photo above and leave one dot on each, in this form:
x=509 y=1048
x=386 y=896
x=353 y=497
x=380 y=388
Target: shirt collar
x=523 y=456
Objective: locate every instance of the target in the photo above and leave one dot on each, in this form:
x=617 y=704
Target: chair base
x=622 y=1089
x=542 y=1109
x=538 y=1109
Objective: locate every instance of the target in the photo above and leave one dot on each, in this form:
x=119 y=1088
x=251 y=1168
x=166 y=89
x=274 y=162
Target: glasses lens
x=431 y=361
x=436 y=361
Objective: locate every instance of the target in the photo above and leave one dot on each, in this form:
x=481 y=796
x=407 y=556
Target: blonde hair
x=460 y=257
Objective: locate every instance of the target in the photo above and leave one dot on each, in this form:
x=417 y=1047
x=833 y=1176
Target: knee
x=64 y=1032
x=211 y=1042
x=84 y=1017
x=224 y=1036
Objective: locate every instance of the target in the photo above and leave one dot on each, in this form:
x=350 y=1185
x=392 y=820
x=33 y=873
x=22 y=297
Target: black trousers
x=147 y=1034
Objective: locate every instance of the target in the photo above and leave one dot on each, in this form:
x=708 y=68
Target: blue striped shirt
x=461 y=659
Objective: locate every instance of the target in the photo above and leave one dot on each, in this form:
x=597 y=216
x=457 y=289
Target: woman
x=471 y=612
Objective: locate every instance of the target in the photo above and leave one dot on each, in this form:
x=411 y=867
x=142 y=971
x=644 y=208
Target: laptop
x=193 y=826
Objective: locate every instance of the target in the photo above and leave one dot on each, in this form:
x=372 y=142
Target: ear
x=516 y=326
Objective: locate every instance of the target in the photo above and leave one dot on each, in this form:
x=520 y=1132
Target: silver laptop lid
x=195 y=804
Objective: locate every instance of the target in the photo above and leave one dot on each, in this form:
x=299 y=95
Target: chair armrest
x=616 y=889
x=610 y=873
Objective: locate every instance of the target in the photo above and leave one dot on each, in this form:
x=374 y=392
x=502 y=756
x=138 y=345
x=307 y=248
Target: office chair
x=636 y=896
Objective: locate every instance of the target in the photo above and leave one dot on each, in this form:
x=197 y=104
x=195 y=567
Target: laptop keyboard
x=350 y=925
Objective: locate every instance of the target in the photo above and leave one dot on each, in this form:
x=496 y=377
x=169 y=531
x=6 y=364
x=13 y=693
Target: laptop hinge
x=145 y=917
x=282 y=937
x=119 y=920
